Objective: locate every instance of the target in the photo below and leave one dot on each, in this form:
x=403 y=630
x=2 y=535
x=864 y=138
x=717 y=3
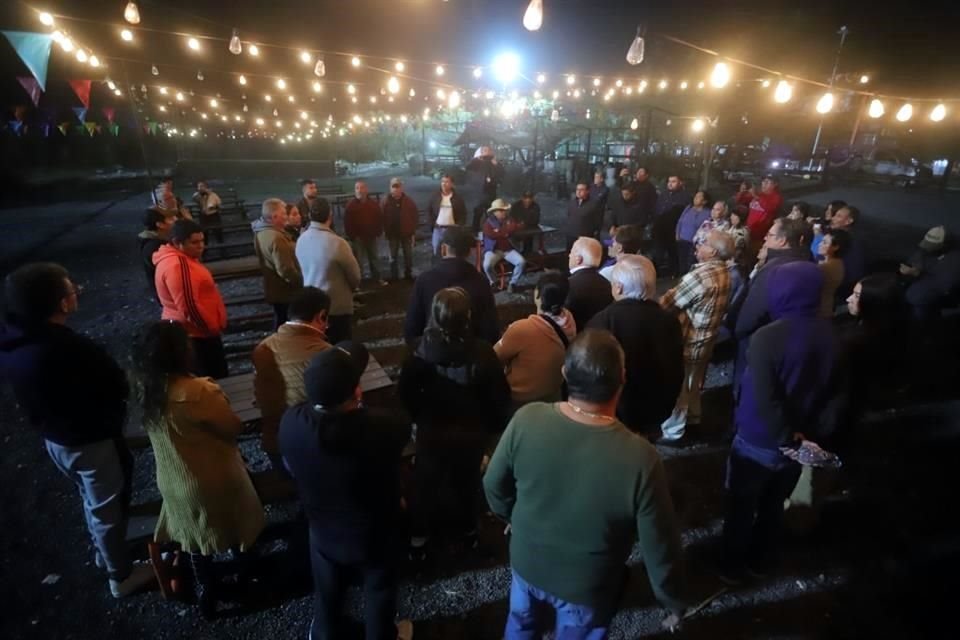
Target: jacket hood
x=167 y=252
x=437 y=348
x=793 y=290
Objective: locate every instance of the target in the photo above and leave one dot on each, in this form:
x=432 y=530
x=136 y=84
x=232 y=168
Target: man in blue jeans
x=578 y=489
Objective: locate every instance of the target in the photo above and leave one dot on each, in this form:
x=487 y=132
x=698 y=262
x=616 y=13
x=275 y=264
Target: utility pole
x=833 y=77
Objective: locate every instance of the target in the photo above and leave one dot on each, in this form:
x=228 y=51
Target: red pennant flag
x=108 y=113
x=32 y=87
x=82 y=89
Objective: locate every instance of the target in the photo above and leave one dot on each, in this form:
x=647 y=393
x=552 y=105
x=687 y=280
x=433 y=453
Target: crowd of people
x=566 y=402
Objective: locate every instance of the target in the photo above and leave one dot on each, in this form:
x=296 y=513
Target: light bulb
x=245 y=108
x=253 y=50
x=46 y=19
x=194 y=44
x=765 y=84
x=81 y=55
x=320 y=69
x=355 y=61
x=783 y=92
x=554 y=115
x=242 y=80
x=477 y=72
x=66 y=44
x=441 y=94
x=304 y=115
x=117 y=92
x=556 y=94
x=939 y=112
x=163 y=91
x=281 y=84
x=214 y=103
x=439 y=70
x=701 y=85
x=905 y=112
x=200 y=75
x=662 y=85
x=111 y=85
x=413 y=93
x=268 y=98
x=180 y=97
x=864 y=79
x=305 y=57
x=403 y=119
x=351 y=89
x=683 y=85
x=317 y=87
x=291 y=99
x=636 y=50
x=876 y=109
x=571 y=79
x=698 y=125
x=154 y=70
x=634 y=124
x=533 y=16
x=720 y=75
x=94 y=61
x=131 y=13
x=259 y=122
x=235 y=47
x=126 y=35
x=541 y=78
x=825 y=103
x=454 y=100
x=393 y=85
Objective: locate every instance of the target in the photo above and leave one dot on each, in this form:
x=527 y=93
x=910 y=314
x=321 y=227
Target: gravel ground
x=878 y=565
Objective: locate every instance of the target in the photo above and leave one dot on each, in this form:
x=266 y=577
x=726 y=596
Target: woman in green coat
x=209 y=502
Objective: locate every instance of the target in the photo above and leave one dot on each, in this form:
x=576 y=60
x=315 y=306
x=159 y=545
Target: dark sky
x=907 y=47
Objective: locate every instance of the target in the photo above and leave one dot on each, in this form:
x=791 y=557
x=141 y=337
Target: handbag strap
x=560 y=334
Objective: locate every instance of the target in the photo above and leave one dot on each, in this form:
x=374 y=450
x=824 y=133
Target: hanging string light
x=571 y=79
x=154 y=71
x=281 y=84
x=320 y=69
x=399 y=66
x=825 y=103
x=131 y=13
x=905 y=112
x=81 y=55
x=413 y=93
x=939 y=112
x=305 y=57
x=554 y=116
x=193 y=43
x=636 y=50
x=541 y=78
x=698 y=125
x=454 y=100
x=440 y=70
x=126 y=35
x=355 y=61
x=317 y=87
x=720 y=75
x=477 y=72
x=634 y=124
x=783 y=92
x=876 y=109
x=533 y=16
x=393 y=85
x=242 y=80
x=94 y=61
x=235 y=47
x=200 y=75
x=253 y=50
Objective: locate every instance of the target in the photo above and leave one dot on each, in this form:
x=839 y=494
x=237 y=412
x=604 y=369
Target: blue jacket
x=794 y=381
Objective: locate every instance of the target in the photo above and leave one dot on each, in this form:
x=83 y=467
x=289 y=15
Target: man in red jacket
x=400 y=217
x=362 y=225
x=189 y=296
x=763 y=211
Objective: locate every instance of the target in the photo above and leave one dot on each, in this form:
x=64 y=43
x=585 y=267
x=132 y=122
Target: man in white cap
x=497 y=244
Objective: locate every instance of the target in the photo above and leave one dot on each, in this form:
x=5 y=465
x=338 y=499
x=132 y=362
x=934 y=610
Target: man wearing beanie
x=345 y=460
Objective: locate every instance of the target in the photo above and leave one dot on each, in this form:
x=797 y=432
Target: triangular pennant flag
x=115 y=129
x=82 y=89
x=32 y=87
x=91 y=127
x=63 y=127
x=81 y=114
x=153 y=128
x=15 y=125
x=108 y=113
x=34 y=50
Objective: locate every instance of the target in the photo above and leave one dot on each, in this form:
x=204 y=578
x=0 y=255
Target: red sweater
x=763 y=211
x=362 y=219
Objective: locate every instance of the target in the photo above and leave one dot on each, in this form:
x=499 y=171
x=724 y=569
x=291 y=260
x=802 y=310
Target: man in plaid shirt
x=701 y=300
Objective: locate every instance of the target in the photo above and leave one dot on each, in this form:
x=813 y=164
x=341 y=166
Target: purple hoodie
x=793 y=382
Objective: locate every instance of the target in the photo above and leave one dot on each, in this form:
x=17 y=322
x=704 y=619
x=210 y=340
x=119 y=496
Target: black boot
x=204 y=584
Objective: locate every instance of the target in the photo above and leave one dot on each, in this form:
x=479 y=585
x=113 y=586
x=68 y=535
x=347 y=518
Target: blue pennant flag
x=34 y=50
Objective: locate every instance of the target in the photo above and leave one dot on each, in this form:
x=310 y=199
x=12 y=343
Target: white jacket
x=328 y=263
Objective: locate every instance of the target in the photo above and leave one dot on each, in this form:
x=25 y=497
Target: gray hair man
x=528 y=484
x=700 y=300
x=652 y=341
x=276 y=253
x=589 y=291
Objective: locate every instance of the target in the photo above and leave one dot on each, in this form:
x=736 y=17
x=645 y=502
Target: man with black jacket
x=526 y=211
x=453 y=271
x=629 y=209
x=445 y=209
x=652 y=344
x=345 y=460
x=794 y=389
x=156 y=229
x=75 y=395
x=787 y=241
x=584 y=216
x=589 y=291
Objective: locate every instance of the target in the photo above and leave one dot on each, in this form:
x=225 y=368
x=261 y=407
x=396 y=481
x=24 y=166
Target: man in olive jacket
x=282 y=276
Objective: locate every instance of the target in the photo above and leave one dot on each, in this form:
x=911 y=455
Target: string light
x=765 y=84
x=596 y=82
x=303 y=115
x=351 y=89
x=355 y=61
x=454 y=100
x=131 y=13
x=373 y=99
x=126 y=35
x=662 y=85
x=111 y=85
x=783 y=92
x=317 y=87
x=235 y=47
x=905 y=112
x=441 y=94
x=393 y=85
x=281 y=84
x=571 y=79
x=291 y=99
x=636 y=50
x=117 y=92
x=720 y=75
x=180 y=96
x=698 y=125
x=413 y=93
x=66 y=44
x=306 y=57
x=683 y=86
x=939 y=112
x=634 y=124
x=154 y=70
x=94 y=61
x=533 y=16
x=253 y=50
x=46 y=19
x=400 y=66
x=701 y=85
x=200 y=75
x=213 y=103
x=320 y=69
x=629 y=90
x=440 y=70
x=876 y=109
x=242 y=80
x=541 y=78
x=163 y=91
x=81 y=55
x=555 y=94
x=477 y=72
x=864 y=79
x=825 y=103
x=194 y=44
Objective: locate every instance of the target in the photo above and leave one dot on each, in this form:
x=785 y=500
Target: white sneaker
x=404 y=630
x=140 y=576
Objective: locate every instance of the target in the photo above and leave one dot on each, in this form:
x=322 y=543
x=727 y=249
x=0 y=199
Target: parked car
x=893 y=166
